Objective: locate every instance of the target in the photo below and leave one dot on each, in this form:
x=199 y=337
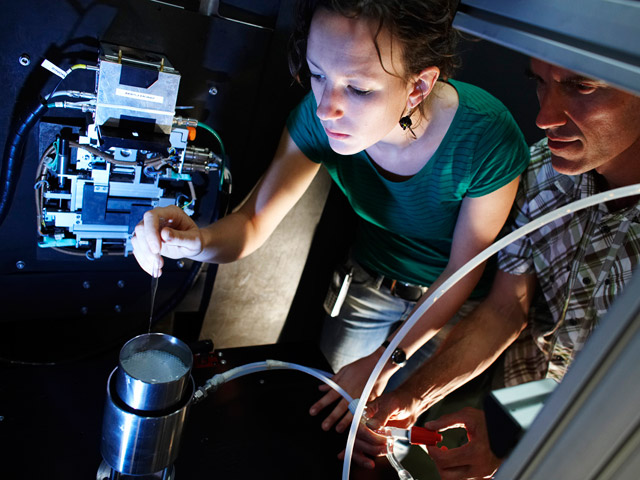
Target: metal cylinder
x=153 y=372
x=137 y=444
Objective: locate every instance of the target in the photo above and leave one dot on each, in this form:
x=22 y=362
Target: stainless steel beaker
x=153 y=371
x=148 y=397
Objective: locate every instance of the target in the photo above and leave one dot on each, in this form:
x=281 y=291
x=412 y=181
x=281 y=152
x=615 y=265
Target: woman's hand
x=168 y=232
x=367 y=446
x=352 y=378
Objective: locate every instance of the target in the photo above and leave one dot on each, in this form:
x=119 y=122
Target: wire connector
x=184 y=122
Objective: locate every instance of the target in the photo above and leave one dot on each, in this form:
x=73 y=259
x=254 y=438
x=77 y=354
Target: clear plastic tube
x=214 y=382
x=403 y=474
x=455 y=278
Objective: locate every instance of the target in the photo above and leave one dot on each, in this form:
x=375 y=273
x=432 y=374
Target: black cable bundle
x=10 y=165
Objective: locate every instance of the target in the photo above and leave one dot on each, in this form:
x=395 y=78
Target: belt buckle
x=394 y=291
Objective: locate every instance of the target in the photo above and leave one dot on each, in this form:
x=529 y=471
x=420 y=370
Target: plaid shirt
x=581 y=261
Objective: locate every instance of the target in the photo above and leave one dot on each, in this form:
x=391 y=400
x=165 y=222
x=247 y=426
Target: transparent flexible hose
x=459 y=274
x=217 y=380
x=214 y=382
x=403 y=473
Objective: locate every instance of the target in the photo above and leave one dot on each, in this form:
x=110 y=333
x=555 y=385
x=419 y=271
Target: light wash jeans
x=367 y=318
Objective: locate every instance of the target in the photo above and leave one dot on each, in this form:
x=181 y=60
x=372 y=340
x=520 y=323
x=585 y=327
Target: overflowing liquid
x=155 y=366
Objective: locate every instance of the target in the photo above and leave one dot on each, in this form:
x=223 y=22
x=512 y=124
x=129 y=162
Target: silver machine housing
x=134 y=157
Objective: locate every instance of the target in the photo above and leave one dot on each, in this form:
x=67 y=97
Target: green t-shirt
x=406 y=227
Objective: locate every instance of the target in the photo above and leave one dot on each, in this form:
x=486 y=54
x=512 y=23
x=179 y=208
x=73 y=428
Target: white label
x=53 y=68
x=147 y=97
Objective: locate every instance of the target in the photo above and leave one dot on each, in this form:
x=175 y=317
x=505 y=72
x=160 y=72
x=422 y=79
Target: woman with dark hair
x=429 y=164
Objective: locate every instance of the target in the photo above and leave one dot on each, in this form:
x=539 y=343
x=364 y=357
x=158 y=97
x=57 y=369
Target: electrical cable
x=13 y=150
x=73 y=94
x=78 y=66
x=223 y=154
x=99 y=153
x=214 y=133
x=85 y=106
x=10 y=165
x=480 y=258
x=192 y=190
x=39 y=185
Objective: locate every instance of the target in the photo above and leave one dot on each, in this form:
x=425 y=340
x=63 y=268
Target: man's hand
x=473 y=460
x=165 y=231
x=352 y=378
x=398 y=408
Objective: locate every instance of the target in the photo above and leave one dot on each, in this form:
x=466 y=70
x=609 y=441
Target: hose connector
x=184 y=122
x=210 y=385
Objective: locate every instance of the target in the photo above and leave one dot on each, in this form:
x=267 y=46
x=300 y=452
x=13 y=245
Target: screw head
x=20 y=265
x=120 y=284
x=213 y=91
x=86 y=285
x=25 y=60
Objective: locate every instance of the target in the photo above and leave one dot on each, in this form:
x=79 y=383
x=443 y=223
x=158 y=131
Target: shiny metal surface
x=152 y=389
x=598 y=39
x=155 y=100
x=137 y=444
x=105 y=472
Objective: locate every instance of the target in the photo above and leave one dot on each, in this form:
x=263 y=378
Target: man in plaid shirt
x=553 y=286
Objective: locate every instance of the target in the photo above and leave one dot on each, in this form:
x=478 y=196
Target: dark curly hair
x=422 y=27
